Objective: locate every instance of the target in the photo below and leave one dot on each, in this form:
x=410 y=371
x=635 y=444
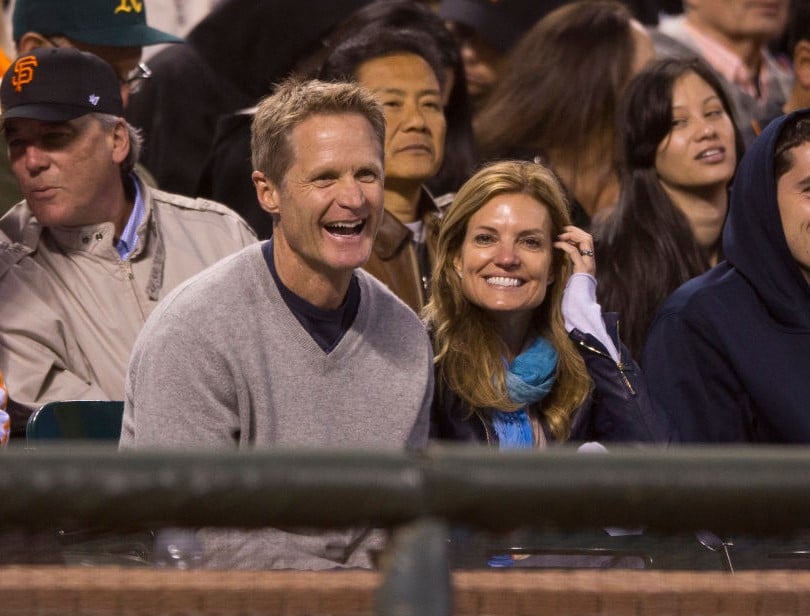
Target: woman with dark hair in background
x=679 y=151
x=556 y=98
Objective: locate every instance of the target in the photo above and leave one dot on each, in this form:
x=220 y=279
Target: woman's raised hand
x=578 y=244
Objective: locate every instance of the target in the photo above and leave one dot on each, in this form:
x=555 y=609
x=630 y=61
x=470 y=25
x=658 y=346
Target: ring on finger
x=586 y=253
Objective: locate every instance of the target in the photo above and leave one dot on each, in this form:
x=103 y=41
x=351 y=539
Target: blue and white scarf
x=529 y=378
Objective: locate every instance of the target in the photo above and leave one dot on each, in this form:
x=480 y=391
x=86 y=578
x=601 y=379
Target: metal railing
x=753 y=490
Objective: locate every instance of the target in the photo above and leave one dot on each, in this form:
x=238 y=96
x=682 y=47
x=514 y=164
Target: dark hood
x=254 y=43
x=753 y=239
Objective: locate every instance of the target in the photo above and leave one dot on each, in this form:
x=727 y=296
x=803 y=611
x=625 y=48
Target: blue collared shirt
x=129 y=237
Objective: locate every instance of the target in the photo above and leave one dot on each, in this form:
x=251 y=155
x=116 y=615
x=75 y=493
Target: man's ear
x=267 y=193
x=121 y=144
x=30 y=41
x=801 y=63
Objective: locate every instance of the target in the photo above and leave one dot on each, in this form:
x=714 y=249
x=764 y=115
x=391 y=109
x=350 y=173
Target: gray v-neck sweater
x=223 y=363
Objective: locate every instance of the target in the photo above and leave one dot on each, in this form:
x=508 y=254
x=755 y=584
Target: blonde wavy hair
x=468 y=351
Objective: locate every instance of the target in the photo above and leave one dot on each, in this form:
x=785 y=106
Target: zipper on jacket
x=619 y=364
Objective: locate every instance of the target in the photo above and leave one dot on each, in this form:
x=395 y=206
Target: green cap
x=113 y=23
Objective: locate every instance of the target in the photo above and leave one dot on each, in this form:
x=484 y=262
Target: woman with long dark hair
x=679 y=150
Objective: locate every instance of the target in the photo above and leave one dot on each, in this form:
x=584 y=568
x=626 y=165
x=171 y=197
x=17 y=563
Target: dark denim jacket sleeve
x=620 y=408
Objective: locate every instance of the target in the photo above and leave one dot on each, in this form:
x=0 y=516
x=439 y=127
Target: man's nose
x=36 y=158
x=415 y=116
x=350 y=193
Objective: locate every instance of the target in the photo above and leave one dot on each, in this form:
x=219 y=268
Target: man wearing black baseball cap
x=114 y=30
x=53 y=85
x=92 y=248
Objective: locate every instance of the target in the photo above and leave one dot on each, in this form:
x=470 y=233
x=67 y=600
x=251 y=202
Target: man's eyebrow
x=401 y=92
x=390 y=90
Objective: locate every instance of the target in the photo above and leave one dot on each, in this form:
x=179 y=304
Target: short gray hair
x=296 y=100
x=108 y=122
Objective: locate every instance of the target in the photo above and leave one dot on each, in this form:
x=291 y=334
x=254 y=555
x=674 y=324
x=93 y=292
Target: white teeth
x=345 y=225
x=711 y=152
x=503 y=281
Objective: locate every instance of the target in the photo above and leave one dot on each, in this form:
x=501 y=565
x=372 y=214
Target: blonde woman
x=523 y=354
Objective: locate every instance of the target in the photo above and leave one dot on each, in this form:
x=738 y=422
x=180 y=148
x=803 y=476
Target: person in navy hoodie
x=728 y=354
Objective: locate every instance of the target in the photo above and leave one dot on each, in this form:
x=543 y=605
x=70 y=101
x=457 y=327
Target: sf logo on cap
x=23 y=72
x=127 y=6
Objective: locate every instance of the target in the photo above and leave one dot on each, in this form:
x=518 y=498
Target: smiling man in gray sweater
x=288 y=342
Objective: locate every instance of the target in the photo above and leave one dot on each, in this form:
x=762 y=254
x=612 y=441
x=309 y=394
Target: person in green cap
x=114 y=30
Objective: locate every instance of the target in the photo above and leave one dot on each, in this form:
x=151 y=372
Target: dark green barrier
x=753 y=490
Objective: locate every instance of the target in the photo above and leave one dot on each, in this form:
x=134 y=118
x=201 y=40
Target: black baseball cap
x=113 y=23
x=59 y=84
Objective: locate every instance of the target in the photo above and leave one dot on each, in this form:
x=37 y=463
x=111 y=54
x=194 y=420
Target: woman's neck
x=513 y=329
x=706 y=213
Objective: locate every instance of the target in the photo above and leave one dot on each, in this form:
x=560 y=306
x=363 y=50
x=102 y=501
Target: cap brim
x=479 y=19
x=46 y=113
x=139 y=35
